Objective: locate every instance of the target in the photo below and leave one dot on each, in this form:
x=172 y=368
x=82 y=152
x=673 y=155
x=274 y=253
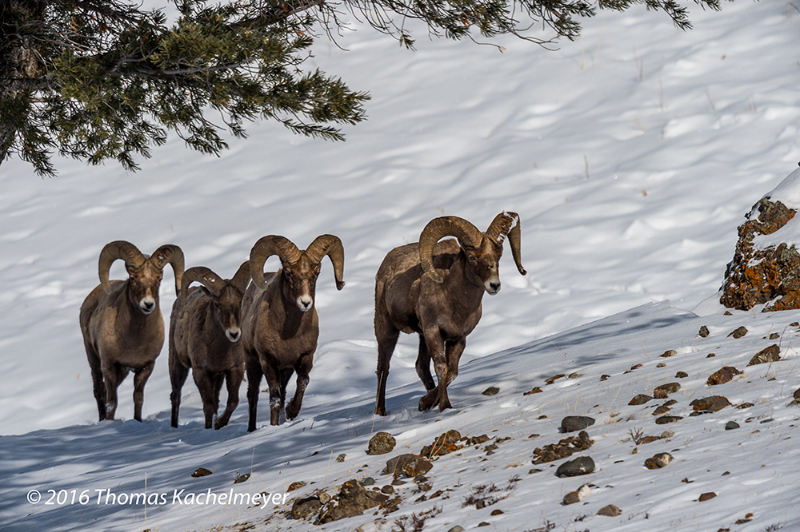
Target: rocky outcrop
x=758 y=276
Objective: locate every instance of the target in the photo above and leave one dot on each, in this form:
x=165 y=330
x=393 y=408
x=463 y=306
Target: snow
x=631 y=157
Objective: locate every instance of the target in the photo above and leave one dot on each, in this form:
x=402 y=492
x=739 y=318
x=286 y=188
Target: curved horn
x=172 y=254
x=507 y=224
x=119 y=249
x=201 y=274
x=332 y=247
x=242 y=277
x=466 y=233
x=266 y=247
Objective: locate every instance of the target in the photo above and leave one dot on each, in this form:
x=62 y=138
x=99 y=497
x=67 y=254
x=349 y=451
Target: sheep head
x=144 y=272
x=482 y=250
x=300 y=268
x=226 y=296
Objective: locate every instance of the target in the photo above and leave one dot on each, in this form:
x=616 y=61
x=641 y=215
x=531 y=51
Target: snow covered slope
x=631 y=157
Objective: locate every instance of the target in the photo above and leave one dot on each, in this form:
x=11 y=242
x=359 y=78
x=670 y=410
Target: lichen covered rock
x=771 y=275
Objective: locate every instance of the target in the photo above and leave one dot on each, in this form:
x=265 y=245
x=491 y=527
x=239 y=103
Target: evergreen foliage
x=107 y=79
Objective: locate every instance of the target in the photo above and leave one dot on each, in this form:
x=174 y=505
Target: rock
x=341 y=458
x=409 y=465
x=323 y=496
x=497 y=512
x=351 y=500
x=554 y=378
x=201 y=472
x=381 y=443
x=796 y=394
x=604 y=377
x=681 y=375
x=305 y=507
x=491 y=390
x=758 y=276
x=770 y=354
x=774 y=336
x=723 y=375
x=477 y=440
x=583 y=465
x=744 y=405
x=295 y=486
x=706 y=496
x=640 y=400
x=658 y=461
x=575 y=423
x=703 y=331
x=536 y=389
x=663 y=409
x=387 y=489
x=670 y=353
x=445 y=443
x=533 y=471
x=738 y=332
x=609 y=511
x=577 y=495
x=575 y=375
x=663 y=420
x=480 y=504
x=715 y=403
x=661 y=365
x=241 y=478
x=483 y=523
x=369 y=481
x=666 y=389
x=667 y=434
x=731 y=425
x=456 y=528
x=711 y=355
x=563 y=449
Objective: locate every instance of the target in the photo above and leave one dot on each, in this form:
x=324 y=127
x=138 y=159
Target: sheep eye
x=472 y=258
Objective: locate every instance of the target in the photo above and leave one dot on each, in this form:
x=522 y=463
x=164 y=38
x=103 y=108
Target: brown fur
x=278 y=337
x=442 y=314
x=198 y=341
x=119 y=337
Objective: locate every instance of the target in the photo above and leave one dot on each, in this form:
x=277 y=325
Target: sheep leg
x=453 y=351
x=286 y=374
x=177 y=376
x=254 y=374
x=205 y=383
x=303 y=368
x=139 y=380
x=387 y=336
x=98 y=387
x=274 y=382
x=424 y=365
x=435 y=344
x=218 y=380
x=233 y=379
x=113 y=374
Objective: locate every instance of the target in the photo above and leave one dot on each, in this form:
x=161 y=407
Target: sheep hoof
x=291 y=413
x=380 y=411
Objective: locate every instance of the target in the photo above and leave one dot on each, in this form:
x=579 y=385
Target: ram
x=204 y=333
x=435 y=289
x=121 y=322
x=280 y=326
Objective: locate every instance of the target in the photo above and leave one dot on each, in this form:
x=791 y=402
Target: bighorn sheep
x=204 y=335
x=121 y=322
x=435 y=289
x=280 y=326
